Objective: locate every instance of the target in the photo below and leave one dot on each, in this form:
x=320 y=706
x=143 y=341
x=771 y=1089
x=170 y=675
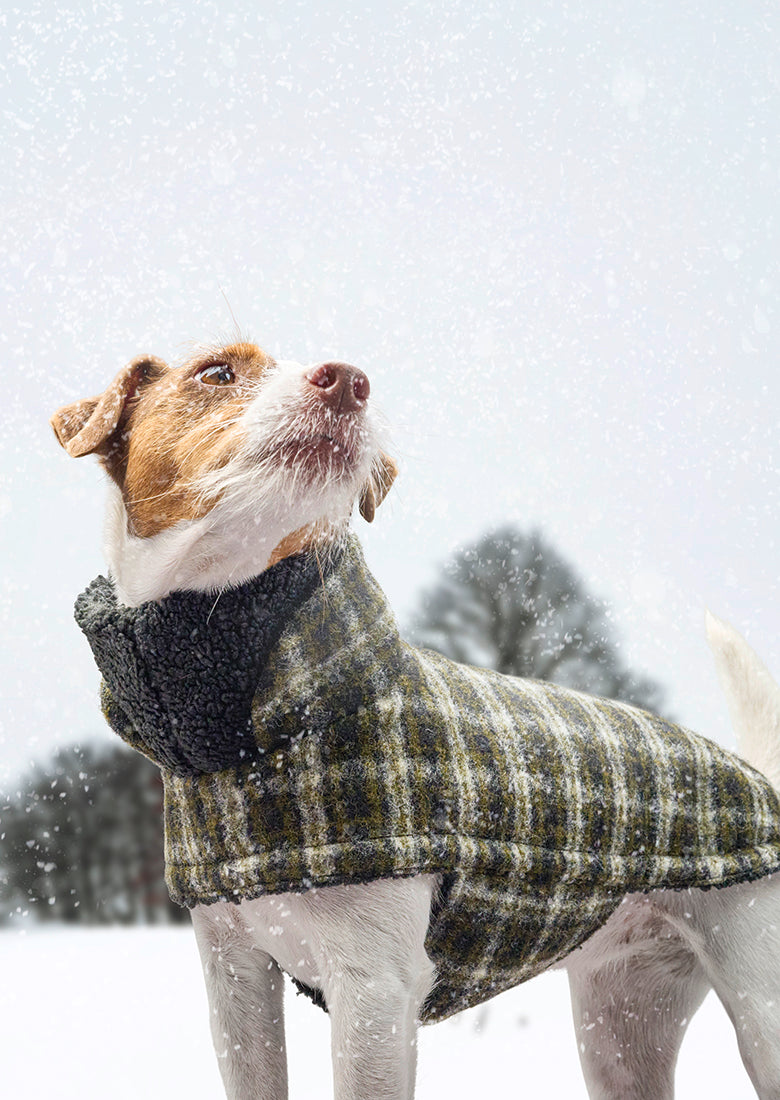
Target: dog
x=222 y=471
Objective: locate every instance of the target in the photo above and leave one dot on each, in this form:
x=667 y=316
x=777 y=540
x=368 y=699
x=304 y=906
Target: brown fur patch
x=294 y=543
x=157 y=431
x=378 y=486
x=178 y=430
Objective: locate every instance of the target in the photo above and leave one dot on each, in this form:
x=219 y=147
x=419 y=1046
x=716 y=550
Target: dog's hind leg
x=634 y=986
x=245 y=992
x=735 y=933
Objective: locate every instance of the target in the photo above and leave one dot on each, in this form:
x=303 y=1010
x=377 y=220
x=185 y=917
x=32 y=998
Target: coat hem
x=351 y=863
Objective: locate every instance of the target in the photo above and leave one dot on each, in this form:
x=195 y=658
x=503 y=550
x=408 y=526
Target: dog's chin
x=320 y=459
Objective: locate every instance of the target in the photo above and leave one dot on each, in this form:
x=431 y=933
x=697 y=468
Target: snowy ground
x=119 y=1013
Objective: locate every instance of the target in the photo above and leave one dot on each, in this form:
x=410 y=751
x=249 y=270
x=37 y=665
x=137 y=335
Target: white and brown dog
x=226 y=465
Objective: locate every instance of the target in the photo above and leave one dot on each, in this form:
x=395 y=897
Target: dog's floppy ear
x=383 y=474
x=84 y=427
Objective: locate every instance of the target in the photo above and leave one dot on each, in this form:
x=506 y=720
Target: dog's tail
x=752 y=695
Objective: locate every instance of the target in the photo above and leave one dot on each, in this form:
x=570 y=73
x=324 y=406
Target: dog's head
x=226 y=464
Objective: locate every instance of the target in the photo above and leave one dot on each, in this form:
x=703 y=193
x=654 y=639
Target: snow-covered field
x=122 y=1013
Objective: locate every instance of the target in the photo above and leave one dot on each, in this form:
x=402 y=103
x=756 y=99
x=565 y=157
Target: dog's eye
x=218 y=374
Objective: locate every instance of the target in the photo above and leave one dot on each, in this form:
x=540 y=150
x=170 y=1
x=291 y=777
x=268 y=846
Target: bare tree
x=510 y=602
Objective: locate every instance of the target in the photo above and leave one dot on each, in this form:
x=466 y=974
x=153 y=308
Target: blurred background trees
x=81 y=840
x=510 y=602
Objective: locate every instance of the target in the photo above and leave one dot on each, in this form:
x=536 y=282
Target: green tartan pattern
x=540 y=807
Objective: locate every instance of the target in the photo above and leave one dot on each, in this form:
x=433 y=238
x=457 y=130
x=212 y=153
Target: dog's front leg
x=245 y=991
x=373 y=1038
x=375 y=975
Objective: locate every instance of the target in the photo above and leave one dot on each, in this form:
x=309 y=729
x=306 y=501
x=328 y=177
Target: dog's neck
x=204 y=555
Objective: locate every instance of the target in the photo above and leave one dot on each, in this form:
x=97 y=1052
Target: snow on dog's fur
x=225 y=465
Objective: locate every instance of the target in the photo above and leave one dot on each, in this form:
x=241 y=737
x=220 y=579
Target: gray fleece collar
x=183 y=670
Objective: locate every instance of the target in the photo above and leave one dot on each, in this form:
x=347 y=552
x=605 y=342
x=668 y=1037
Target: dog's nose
x=344 y=388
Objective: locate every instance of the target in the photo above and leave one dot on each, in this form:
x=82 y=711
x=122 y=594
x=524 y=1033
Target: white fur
x=635 y=984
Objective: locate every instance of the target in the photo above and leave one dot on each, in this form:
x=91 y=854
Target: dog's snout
x=344 y=387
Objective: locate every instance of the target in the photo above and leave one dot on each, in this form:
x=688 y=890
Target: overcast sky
x=547 y=232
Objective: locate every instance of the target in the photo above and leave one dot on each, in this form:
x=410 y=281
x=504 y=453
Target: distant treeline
x=81 y=839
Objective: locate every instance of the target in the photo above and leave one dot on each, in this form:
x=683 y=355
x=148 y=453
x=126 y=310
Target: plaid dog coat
x=303 y=743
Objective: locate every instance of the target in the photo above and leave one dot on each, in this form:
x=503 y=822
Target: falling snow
x=548 y=234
